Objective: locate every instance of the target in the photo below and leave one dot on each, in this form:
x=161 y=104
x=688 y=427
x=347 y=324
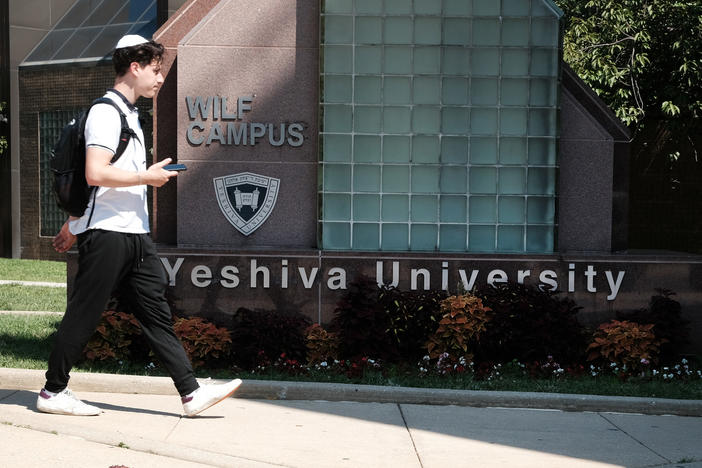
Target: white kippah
x=131 y=40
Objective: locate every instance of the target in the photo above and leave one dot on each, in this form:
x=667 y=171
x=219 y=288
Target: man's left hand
x=64 y=239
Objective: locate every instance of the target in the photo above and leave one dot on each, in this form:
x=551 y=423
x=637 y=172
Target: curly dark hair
x=143 y=54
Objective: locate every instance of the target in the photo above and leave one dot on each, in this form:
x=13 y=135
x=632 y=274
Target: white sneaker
x=64 y=402
x=207 y=395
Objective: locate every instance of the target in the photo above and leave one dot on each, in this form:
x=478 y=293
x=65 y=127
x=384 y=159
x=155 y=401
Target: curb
x=34 y=283
x=29 y=312
x=25 y=379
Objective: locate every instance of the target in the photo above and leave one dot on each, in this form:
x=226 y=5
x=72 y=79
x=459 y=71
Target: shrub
x=260 y=336
x=202 y=340
x=321 y=345
x=464 y=319
x=361 y=323
x=113 y=337
x=412 y=318
x=665 y=313
x=529 y=324
x=625 y=343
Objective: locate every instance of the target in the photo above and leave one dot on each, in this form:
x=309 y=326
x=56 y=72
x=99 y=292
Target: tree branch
x=595 y=46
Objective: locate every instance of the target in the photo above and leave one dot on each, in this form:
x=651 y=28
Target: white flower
x=323 y=364
x=684 y=361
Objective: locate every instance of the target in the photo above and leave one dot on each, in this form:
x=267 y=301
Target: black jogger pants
x=113 y=261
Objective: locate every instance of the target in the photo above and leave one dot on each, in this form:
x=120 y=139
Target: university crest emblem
x=246 y=199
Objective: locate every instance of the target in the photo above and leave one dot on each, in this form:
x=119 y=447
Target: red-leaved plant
x=625 y=343
x=113 y=337
x=202 y=340
x=465 y=318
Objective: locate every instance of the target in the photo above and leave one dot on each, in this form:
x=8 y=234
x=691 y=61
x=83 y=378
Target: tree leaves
x=640 y=56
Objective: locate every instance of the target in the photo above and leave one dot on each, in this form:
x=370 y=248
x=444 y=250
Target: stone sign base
x=215 y=284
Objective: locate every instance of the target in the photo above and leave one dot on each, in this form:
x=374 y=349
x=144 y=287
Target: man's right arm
x=99 y=171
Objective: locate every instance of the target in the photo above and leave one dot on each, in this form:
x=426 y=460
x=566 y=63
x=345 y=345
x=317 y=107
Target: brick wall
x=47 y=89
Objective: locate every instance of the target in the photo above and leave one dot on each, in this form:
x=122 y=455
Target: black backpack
x=68 y=161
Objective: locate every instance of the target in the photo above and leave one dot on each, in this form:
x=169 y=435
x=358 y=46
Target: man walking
x=115 y=251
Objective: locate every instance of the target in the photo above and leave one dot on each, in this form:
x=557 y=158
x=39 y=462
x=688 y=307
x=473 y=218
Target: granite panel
x=292 y=222
x=34 y=14
x=620 y=197
x=289 y=95
x=164 y=208
x=23 y=41
x=259 y=23
x=576 y=123
x=59 y=8
x=585 y=196
x=181 y=22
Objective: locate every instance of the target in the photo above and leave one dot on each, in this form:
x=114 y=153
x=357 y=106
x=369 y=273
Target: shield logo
x=246 y=199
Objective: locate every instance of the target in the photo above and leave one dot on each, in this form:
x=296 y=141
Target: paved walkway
x=265 y=426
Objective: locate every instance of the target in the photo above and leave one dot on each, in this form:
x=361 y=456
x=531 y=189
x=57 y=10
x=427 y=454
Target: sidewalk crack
x=414 y=446
x=175 y=426
x=634 y=438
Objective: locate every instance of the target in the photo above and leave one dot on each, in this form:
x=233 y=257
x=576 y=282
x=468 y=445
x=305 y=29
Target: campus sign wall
x=215 y=284
x=247 y=107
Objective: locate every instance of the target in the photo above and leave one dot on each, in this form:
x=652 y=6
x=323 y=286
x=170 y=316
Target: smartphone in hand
x=175 y=167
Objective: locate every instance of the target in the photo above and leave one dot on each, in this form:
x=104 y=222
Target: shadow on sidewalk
x=28 y=400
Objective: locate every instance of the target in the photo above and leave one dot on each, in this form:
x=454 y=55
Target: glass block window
x=439 y=125
x=50 y=126
x=90 y=30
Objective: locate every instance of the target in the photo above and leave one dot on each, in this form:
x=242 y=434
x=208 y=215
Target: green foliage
x=464 y=319
x=413 y=316
x=665 y=313
x=361 y=322
x=259 y=336
x=641 y=56
x=3 y=120
x=529 y=324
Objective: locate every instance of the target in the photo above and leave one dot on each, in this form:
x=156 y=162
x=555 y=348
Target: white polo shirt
x=121 y=209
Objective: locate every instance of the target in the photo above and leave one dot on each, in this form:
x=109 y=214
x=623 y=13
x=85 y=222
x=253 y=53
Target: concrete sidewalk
x=146 y=429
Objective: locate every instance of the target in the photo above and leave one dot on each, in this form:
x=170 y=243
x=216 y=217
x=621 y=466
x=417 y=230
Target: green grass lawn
x=18 y=297
x=32 y=270
x=25 y=340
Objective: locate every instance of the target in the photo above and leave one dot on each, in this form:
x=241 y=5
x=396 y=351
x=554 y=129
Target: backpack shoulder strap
x=126 y=131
